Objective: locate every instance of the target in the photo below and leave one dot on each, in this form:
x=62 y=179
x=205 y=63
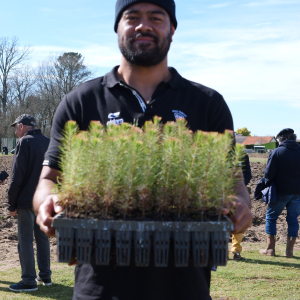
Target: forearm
x=241 y=216
x=45 y=187
x=242 y=193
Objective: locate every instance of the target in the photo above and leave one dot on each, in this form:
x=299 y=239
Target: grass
x=62 y=288
x=258 y=277
x=262 y=160
x=255 y=277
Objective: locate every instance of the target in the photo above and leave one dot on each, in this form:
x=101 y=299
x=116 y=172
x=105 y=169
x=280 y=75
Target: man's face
x=20 y=130
x=145 y=34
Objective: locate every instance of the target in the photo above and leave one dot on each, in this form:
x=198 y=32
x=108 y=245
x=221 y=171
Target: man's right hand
x=13 y=213
x=47 y=210
x=45 y=203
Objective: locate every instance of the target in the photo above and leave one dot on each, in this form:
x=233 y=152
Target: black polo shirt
x=110 y=101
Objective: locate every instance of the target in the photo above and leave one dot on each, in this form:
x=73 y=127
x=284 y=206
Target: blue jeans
x=292 y=204
x=26 y=228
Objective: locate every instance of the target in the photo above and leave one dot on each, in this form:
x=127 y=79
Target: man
x=25 y=172
x=140 y=88
x=283 y=168
x=237 y=248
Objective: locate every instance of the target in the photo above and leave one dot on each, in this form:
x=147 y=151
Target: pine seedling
x=151 y=161
x=205 y=172
x=115 y=151
x=196 y=172
x=74 y=174
x=183 y=196
x=93 y=160
x=170 y=168
x=220 y=194
x=65 y=148
x=205 y=159
x=66 y=163
x=132 y=171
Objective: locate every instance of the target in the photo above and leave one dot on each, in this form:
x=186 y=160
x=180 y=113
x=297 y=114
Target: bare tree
x=58 y=76
x=11 y=59
x=36 y=92
x=48 y=89
x=22 y=85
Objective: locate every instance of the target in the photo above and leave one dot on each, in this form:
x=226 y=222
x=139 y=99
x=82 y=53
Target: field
x=254 y=277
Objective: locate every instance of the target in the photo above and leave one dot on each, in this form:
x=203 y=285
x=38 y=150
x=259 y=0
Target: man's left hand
x=239 y=210
x=13 y=213
x=241 y=218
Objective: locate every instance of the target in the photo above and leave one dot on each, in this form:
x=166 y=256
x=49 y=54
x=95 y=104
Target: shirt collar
x=110 y=79
x=176 y=82
x=33 y=131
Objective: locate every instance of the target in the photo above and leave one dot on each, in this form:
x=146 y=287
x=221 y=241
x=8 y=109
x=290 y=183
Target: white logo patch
x=179 y=114
x=113 y=119
x=114 y=115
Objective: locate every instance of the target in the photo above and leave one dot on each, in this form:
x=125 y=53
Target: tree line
x=35 y=91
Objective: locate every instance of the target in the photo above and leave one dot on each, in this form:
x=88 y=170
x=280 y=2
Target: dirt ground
x=9 y=230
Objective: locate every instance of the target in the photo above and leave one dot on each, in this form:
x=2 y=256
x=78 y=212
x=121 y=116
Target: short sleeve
x=63 y=114
x=219 y=115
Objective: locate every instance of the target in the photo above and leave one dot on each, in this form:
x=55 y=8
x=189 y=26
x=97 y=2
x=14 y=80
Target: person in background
x=283 y=168
x=25 y=171
x=4 y=150
x=237 y=238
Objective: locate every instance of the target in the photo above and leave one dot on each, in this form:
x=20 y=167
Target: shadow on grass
x=55 y=291
x=268 y=262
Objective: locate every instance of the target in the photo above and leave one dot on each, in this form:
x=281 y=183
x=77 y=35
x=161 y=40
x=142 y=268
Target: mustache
x=140 y=34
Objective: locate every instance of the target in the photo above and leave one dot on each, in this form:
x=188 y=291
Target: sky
x=249 y=51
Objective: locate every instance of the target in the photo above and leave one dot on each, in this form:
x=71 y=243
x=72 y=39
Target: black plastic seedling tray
x=198 y=241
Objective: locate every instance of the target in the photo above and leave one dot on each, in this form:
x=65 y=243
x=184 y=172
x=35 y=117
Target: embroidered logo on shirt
x=179 y=114
x=113 y=119
x=46 y=162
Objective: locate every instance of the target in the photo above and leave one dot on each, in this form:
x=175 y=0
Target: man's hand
x=2 y=182
x=241 y=218
x=48 y=209
x=13 y=213
x=241 y=207
x=45 y=202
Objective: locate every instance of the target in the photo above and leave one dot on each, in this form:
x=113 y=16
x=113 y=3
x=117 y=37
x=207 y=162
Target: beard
x=141 y=55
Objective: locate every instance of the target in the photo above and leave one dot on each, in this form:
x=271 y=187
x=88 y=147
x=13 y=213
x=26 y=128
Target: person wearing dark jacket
x=25 y=172
x=283 y=169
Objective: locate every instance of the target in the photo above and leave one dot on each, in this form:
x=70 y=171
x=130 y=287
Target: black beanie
x=168 y=5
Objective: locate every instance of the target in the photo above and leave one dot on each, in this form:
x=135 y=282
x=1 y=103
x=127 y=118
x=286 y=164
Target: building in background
x=258 y=144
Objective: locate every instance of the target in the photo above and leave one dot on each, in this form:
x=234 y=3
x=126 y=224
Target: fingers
x=13 y=213
x=45 y=216
x=57 y=208
x=44 y=225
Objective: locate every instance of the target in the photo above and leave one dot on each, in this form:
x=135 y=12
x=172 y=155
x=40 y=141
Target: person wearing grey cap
x=141 y=87
x=25 y=171
x=283 y=168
